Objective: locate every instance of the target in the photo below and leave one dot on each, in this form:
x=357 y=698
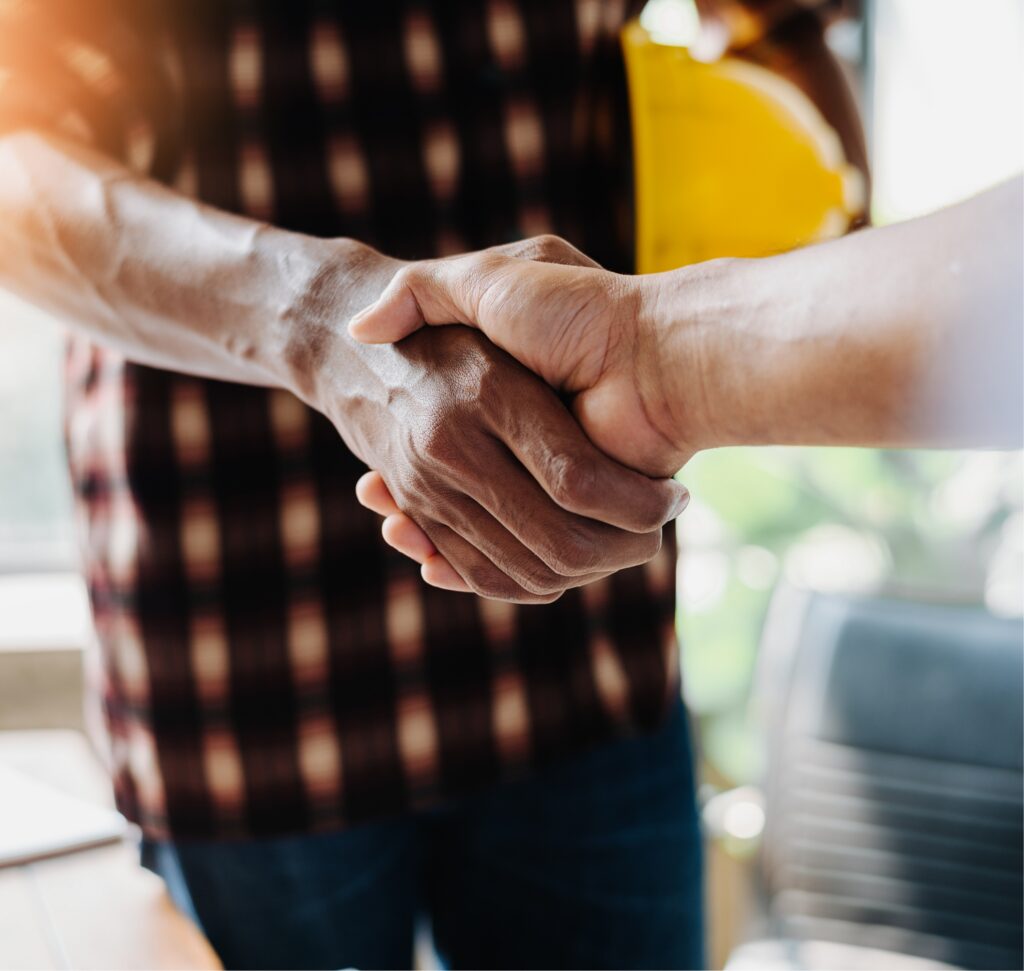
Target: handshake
x=519 y=485
x=531 y=449
x=533 y=453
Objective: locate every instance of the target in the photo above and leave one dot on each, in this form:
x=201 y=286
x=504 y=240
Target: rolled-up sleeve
x=99 y=70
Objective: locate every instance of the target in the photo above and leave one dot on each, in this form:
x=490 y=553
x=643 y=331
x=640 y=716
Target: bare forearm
x=908 y=335
x=164 y=279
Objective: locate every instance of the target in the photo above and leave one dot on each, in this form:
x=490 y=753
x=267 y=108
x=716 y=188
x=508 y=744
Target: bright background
x=941 y=87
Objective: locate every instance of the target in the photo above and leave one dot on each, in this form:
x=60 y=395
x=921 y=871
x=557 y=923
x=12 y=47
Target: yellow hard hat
x=730 y=159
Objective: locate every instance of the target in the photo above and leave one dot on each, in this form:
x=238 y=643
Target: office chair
x=893 y=789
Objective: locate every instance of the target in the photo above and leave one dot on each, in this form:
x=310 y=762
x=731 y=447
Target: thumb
x=394 y=315
x=420 y=293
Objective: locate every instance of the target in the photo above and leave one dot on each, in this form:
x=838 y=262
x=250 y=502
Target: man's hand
x=580 y=328
x=486 y=459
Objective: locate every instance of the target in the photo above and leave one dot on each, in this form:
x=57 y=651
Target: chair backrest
x=894 y=783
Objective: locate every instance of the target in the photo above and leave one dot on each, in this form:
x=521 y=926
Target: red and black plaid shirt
x=270 y=665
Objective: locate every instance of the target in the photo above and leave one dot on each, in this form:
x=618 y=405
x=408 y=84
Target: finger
x=567 y=556
x=568 y=544
x=507 y=552
x=500 y=545
x=448 y=291
x=403 y=535
x=400 y=532
x=394 y=315
x=373 y=493
x=575 y=473
x=477 y=571
x=529 y=309
x=438 y=572
x=545 y=249
x=431 y=292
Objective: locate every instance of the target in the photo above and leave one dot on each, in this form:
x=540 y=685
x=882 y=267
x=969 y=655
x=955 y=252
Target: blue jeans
x=594 y=863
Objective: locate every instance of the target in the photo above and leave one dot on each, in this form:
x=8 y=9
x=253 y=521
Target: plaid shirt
x=269 y=664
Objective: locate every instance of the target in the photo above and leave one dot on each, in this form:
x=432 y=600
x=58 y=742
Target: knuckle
x=549 y=247
x=546 y=247
x=489 y=582
x=651 y=518
x=549 y=598
x=407 y=275
x=485 y=260
x=649 y=546
x=540 y=580
x=576 y=553
x=523 y=568
x=525 y=596
x=573 y=482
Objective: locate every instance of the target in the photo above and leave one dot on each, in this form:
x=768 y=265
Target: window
x=35 y=498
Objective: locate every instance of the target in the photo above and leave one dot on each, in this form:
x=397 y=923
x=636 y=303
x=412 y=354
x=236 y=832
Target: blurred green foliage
x=942 y=524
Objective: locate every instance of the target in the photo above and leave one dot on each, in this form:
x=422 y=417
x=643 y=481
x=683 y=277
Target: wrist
x=681 y=342
x=747 y=353
x=333 y=280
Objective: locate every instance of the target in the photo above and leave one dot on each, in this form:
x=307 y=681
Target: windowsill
x=44 y=612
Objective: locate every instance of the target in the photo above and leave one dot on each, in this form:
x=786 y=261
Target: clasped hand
x=577 y=327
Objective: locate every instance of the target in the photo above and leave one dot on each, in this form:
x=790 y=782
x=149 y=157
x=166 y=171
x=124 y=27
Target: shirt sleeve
x=99 y=70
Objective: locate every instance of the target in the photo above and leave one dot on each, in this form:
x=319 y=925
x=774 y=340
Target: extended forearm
x=164 y=279
x=899 y=336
